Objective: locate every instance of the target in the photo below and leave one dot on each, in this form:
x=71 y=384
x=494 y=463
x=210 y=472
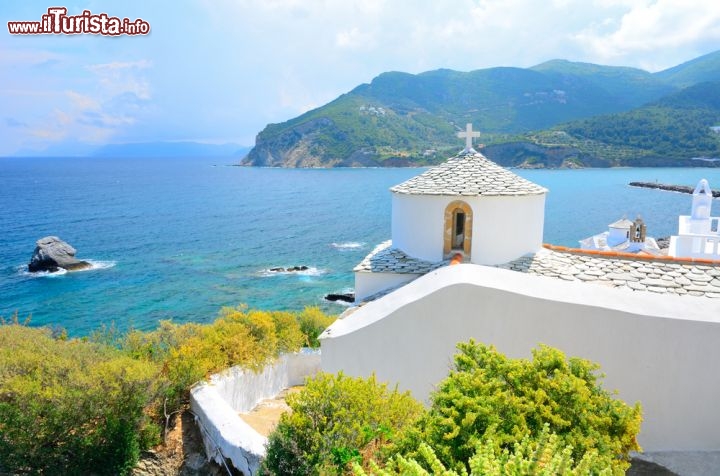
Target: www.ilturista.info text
x=58 y=22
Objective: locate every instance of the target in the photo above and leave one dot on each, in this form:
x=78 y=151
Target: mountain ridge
x=412 y=119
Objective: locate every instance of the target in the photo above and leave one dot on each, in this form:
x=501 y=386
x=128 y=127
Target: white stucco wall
x=367 y=284
x=696 y=238
x=417 y=224
x=504 y=227
x=660 y=350
x=218 y=403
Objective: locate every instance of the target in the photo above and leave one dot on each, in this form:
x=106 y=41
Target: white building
x=652 y=323
x=698 y=234
x=468 y=206
x=623 y=235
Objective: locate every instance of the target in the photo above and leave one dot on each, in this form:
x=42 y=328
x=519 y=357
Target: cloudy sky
x=218 y=71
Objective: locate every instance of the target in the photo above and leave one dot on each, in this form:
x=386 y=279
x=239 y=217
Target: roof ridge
x=468 y=173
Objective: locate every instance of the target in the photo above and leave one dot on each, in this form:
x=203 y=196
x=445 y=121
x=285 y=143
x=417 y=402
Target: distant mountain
x=680 y=129
x=628 y=87
x=170 y=149
x=677 y=129
x=702 y=69
x=406 y=119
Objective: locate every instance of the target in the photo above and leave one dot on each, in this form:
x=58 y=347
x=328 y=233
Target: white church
x=623 y=235
x=468 y=207
x=466 y=260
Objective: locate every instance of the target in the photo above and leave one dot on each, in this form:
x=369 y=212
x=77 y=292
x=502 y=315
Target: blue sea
x=180 y=238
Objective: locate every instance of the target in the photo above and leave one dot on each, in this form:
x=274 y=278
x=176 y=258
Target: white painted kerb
x=218 y=403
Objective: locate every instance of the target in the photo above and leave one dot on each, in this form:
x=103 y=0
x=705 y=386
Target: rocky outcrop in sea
x=51 y=254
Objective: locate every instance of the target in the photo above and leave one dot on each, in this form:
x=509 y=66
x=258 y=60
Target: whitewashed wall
x=418 y=224
x=504 y=228
x=367 y=284
x=663 y=351
x=218 y=402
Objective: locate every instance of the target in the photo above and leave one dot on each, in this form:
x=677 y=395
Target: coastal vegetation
x=336 y=420
x=527 y=416
x=541 y=456
x=91 y=405
x=556 y=114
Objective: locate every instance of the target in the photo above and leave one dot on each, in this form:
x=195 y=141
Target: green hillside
x=628 y=87
x=674 y=128
x=704 y=68
x=404 y=119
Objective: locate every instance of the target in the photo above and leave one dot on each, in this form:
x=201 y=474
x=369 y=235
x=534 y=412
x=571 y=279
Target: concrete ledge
x=225 y=434
x=685 y=463
x=218 y=402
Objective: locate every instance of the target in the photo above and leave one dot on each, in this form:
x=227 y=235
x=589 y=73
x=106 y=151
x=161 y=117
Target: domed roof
x=469 y=174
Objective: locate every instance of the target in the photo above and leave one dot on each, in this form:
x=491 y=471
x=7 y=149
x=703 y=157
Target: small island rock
x=291 y=269
x=344 y=297
x=52 y=253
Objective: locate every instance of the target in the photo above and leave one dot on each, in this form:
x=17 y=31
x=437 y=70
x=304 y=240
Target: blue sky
x=218 y=71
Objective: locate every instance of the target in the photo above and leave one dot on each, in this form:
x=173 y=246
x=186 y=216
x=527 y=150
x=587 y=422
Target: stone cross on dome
x=468 y=134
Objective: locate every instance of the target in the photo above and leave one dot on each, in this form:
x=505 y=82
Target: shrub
x=312 y=323
x=90 y=405
x=541 y=456
x=337 y=419
x=71 y=407
x=488 y=395
x=251 y=338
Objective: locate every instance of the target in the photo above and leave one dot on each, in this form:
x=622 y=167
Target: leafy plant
x=540 y=456
x=488 y=396
x=336 y=420
x=90 y=405
x=71 y=407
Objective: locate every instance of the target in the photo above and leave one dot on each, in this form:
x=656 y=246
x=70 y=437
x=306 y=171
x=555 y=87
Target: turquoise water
x=180 y=238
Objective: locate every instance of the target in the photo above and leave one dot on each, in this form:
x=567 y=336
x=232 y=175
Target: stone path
x=266 y=414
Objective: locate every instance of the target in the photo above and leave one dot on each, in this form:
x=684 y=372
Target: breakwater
x=670 y=188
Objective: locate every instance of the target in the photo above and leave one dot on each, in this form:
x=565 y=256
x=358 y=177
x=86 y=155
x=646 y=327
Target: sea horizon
x=181 y=242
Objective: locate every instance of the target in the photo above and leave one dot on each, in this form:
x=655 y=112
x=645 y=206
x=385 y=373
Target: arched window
x=458 y=229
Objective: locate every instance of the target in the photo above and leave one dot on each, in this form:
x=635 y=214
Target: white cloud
x=120 y=65
x=118 y=78
x=26 y=57
x=225 y=68
x=82 y=101
x=654 y=34
x=353 y=39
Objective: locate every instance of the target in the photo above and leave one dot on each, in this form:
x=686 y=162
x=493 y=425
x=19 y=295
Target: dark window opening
x=459 y=228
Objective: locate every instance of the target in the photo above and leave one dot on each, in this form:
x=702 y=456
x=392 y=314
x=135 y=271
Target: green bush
x=190 y=352
x=335 y=420
x=90 y=405
x=541 y=456
x=312 y=323
x=488 y=396
x=71 y=407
